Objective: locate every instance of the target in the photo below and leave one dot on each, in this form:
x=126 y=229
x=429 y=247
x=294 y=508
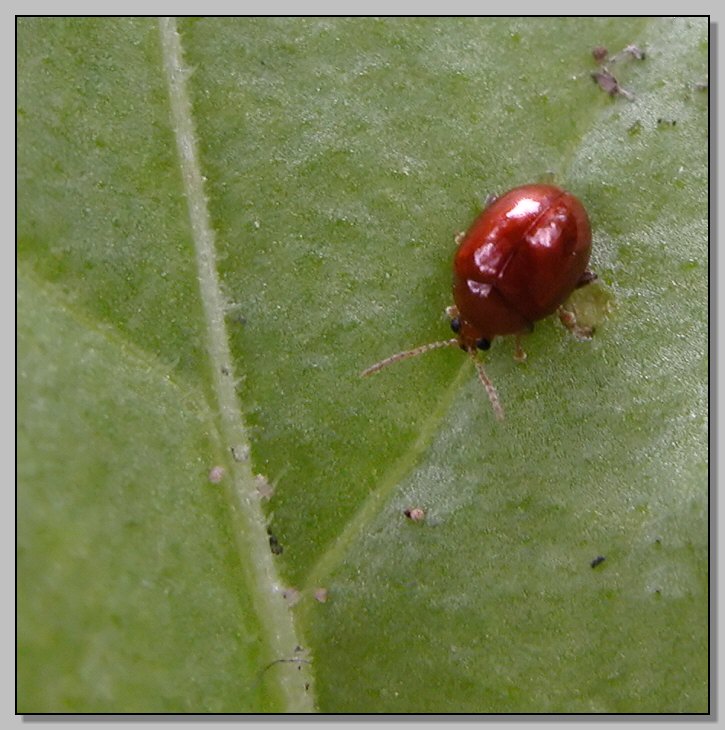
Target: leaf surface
x=339 y=157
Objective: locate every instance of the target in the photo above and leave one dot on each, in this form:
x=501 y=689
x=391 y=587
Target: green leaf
x=212 y=248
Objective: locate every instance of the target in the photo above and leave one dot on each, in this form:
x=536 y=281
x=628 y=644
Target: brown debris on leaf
x=415 y=514
x=321 y=595
x=264 y=489
x=274 y=544
x=631 y=50
x=607 y=82
x=604 y=78
x=216 y=474
x=600 y=54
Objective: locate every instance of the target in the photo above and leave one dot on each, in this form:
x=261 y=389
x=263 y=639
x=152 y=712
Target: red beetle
x=518 y=263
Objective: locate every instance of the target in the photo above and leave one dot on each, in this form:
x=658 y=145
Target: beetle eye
x=483 y=344
x=456 y=325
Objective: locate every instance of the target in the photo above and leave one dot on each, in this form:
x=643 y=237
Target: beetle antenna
x=488 y=385
x=409 y=353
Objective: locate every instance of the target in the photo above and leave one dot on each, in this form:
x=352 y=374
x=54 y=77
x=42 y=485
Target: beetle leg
x=458 y=238
x=488 y=385
x=452 y=311
x=519 y=354
x=490 y=200
x=568 y=319
x=586 y=278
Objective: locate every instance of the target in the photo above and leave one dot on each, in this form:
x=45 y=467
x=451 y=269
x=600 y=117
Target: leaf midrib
x=249 y=524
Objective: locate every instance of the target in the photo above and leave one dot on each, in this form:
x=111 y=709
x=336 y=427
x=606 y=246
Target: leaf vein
x=273 y=613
